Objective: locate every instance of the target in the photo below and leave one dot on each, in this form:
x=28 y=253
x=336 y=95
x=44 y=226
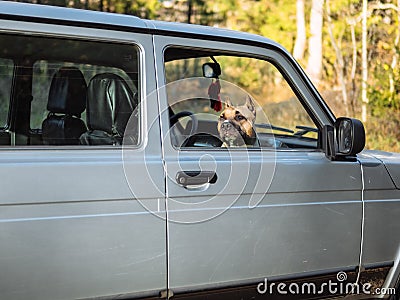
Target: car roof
x=34 y=12
x=86 y=18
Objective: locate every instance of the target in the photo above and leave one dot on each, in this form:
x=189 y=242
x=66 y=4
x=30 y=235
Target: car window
x=6 y=74
x=43 y=73
x=70 y=92
x=258 y=106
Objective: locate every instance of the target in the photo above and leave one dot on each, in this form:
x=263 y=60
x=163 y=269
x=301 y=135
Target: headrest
x=110 y=103
x=67 y=93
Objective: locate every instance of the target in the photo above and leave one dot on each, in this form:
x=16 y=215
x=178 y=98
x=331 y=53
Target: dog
x=235 y=124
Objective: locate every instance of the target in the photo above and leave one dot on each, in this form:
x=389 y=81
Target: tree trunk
x=354 y=86
x=127 y=7
x=189 y=11
x=395 y=57
x=300 y=44
x=364 y=62
x=314 y=64
x=339 y=63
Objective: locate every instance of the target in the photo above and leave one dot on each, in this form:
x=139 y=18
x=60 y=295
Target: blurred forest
x=350 y=49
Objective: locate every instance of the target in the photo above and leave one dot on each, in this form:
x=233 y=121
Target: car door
x=74 y=221
x=275 y=211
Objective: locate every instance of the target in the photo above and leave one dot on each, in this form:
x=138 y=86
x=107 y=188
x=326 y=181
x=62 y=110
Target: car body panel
x=391 y=162
x=381 y=200
x=311 y=229
x=265 y=207
x=77 y=227
x=114 y=222
x=47 y=13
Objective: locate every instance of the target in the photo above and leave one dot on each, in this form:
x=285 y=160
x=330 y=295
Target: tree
x=364 y=62
x=395 y=57
x=339 y=63
x=301 y=39
x=314 y=64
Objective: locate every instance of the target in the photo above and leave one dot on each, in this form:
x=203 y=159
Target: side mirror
x=350 y=136
x=345 y=139
x=211 y=70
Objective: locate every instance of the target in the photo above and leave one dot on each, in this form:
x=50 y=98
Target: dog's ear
x=228 y=102
x=250 y=104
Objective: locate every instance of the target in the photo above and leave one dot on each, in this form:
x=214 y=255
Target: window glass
x=259 y=108
x=43 y=73
x=6 y=74
x=72 y=92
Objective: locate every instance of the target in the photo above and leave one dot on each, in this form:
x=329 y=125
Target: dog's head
x=235 y=124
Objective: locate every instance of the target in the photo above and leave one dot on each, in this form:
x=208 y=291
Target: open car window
x=249 y=104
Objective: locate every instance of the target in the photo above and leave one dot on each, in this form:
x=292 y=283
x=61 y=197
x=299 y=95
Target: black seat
x=66 y=103
x=110 y=104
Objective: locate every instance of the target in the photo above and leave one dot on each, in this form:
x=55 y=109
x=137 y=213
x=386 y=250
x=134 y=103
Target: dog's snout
x=226 y=125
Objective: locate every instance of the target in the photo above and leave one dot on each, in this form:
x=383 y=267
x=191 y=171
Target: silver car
x=116 y=181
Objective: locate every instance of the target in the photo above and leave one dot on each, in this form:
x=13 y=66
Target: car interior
x=66 y=92
x=194 y=122
x=70 y=92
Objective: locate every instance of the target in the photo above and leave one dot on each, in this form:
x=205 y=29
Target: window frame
x=12 y=114
x=290 y=80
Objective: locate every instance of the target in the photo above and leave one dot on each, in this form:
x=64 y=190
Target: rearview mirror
x=211 y=70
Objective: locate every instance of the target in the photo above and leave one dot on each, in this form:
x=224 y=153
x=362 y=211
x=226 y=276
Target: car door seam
x=163 y=161
x=362 y=222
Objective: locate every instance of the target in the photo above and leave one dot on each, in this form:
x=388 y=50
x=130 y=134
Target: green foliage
x=142 y=8
x=382 y=132
x=271 y=18
x=52 y=2
x=380 y=96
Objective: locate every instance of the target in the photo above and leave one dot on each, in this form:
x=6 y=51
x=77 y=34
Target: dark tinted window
x=6 y=74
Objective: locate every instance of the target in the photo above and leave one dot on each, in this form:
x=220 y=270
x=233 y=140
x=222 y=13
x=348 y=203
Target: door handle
x=186 y=178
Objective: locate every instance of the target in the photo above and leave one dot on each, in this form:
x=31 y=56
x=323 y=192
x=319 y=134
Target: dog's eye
x=240 y=118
